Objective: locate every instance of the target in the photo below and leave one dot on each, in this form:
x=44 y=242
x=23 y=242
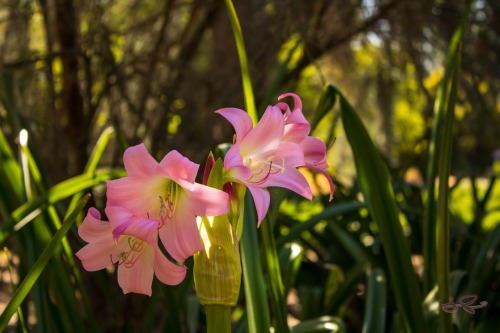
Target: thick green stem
x=218 y=318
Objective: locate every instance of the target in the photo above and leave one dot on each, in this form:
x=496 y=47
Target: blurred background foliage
x=156 y=70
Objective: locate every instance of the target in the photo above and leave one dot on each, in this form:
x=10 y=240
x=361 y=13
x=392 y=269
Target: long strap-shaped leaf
x=443 y=218
x=441 y=136
x=242 y=55
x=374 y=181
x=38 y=267
x=375 y=302
x=276 y=287
x=329 y=212
x=10 y=181
x=255 y=292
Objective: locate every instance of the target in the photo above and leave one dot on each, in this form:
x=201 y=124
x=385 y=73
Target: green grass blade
x=441 y=151
x=242 y=55
x=30 y=279
x=20 y=314
x=277 y=292
x=443 y=215
x=333 y=210
x=255 y=292
x=31 y=209
x=437 y=140
x=90 y=168
x=374 y=181
x=326 y=102
x=374 y=321
x=63 y=295
x=290 y=258
x=255 y=289
x=11 y=174
x=93 y=161
x=326 y=324
x=98 y=150
x=63 y=292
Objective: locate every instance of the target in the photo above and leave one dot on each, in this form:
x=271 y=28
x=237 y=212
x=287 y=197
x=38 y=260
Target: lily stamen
x=260 y=181
x=166 y=209
x=129 y=258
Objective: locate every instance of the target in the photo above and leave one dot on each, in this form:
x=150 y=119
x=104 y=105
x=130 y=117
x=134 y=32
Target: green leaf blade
x=255 y=289
x=379 y=196
x=37 y=269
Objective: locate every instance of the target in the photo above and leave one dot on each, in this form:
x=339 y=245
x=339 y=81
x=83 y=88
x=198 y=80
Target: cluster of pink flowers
x=156 y=205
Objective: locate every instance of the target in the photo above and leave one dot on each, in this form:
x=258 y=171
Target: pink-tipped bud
x=209 y=164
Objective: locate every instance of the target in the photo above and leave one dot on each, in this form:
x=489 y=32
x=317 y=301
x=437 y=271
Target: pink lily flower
x=260 y=157
x=135 y=252
x=297 y=130
x=164 y=193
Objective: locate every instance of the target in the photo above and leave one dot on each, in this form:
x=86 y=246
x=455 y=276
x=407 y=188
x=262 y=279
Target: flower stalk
x=218 y=318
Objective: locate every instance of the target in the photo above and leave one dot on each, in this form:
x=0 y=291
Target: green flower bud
x=217 y=269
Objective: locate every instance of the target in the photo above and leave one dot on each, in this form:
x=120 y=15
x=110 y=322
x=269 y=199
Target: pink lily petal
x=180 y=235
x=240 y=120
x=233 y=162
x=233 y=157
x=119 y=219
x=138 y=194
x=266 y=136
x=283 y=107
x=93 y=229
x=135 y=252
x=314 y=152
x=296 y=127
x=138 y=162
x=208 y=201
x=296 y=99
x=290 y=154
x=166 y=271
x=296 y=132
x=176 y=167
x=262 y=200
x=96 y=254
x=240 y=173
x=138 y=277
x=291 y=179
x=144 y=229
x=297 y=118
